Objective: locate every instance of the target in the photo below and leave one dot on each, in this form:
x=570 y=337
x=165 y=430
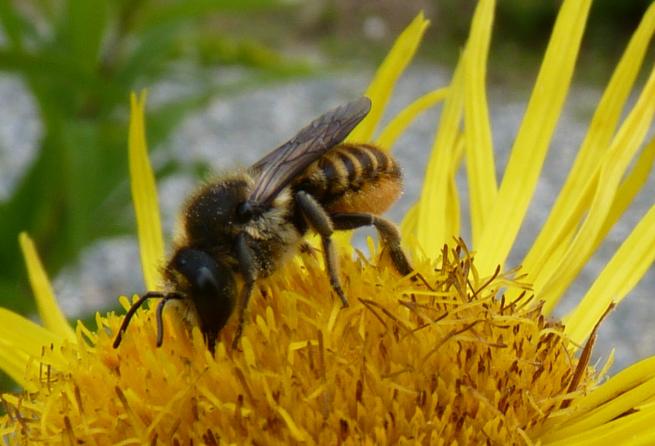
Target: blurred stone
x=20 y=131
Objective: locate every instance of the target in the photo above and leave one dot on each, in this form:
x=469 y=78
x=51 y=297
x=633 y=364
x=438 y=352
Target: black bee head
x=209 y=284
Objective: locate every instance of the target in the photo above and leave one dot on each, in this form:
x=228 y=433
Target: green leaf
x=12 y=24
x=56 y=70
x=184 y=10
x=81 y=30
x=148 y=59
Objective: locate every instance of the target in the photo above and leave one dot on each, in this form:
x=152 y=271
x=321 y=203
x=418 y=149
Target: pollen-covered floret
x=402 y=364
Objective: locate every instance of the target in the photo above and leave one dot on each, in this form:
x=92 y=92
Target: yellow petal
x=632 y=429
x=550 y=285
x=408 y=225
x=144 y=195
x=480 y=162
x=440 y=175
x=438 y=210
x=619 y=276
x=46 y=302
x=399 y=124
x=453 y=208
x=21 y=340
x=452 y=219
x=14 y=363
x=626 y=380
x=433 y=224
x=380 y=90
x=393 y=66
x=533 y=138
x=575 y=196
x=630 y=388
x=628 y=189
x=604 y=414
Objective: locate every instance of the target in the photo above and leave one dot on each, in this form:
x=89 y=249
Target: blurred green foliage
x=80 y=59
x=521 y=31
x=522 y=28
x=531 y=22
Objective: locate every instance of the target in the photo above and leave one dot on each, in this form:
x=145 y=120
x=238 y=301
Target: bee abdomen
x=349 y=172
x=347 y=167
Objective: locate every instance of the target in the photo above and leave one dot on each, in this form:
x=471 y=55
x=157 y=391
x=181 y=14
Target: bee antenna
x=160 y=311
x=135 y=306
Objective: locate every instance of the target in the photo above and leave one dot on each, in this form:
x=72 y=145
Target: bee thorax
x=273 y=235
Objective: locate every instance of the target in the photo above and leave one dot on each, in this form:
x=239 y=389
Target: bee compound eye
x=245 y=211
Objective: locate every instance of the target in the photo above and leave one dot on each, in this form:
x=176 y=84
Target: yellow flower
x=474 y=359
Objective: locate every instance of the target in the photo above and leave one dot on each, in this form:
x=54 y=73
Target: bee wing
x=277 y=169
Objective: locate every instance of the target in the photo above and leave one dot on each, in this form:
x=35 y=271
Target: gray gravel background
x=238 y=130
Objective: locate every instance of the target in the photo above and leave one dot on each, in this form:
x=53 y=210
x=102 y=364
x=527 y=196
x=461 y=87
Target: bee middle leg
x=387 y=230
x=320 y=221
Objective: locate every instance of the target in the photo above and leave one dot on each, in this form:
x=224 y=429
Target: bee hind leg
x=386 y=229
x=320 y=221
x=389 y=234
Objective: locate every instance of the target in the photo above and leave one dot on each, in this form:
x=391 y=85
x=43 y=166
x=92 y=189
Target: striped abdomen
x=353 y=178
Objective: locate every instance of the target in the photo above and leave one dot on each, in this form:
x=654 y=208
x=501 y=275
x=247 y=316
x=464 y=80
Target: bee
x=240 y=228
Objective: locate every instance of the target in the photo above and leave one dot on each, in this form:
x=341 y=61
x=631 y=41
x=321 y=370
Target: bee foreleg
x=387 y=230
x=249 y=271
x=319 y=220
